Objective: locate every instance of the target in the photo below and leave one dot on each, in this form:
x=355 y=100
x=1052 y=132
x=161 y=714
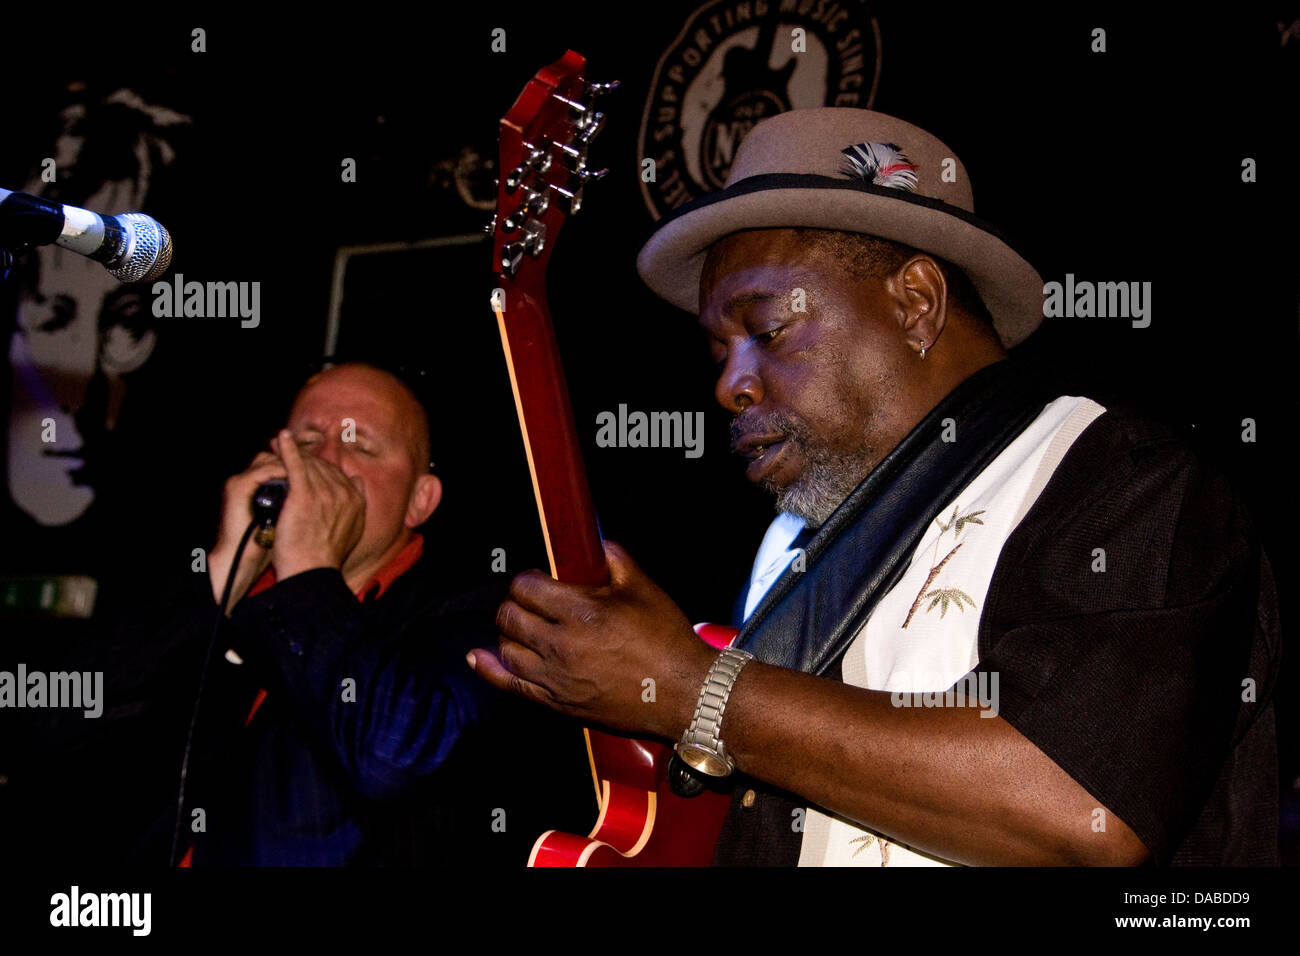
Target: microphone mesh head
x=148 y=249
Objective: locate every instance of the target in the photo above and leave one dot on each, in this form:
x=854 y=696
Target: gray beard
x=828 y=476
x=827 y=480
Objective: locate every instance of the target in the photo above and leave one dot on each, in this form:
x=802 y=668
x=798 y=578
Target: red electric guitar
x=543 y=166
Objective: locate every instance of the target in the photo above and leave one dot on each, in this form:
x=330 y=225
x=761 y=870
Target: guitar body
x=641 y=822
x=543 y=166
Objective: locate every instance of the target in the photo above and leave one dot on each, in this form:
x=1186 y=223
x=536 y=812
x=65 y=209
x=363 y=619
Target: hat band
x=768 y=181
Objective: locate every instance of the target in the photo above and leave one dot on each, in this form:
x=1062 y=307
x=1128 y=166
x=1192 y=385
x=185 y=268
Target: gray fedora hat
x=851 y=170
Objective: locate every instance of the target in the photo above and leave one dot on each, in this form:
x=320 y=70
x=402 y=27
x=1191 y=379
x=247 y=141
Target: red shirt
x=390 y=572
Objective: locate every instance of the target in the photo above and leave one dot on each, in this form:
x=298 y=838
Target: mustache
x=768 y=422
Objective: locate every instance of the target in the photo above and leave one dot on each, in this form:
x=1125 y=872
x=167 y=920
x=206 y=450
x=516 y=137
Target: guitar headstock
x=543 y=166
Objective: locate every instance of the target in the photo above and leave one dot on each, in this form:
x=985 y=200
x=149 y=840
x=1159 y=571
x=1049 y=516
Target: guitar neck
x=543 y=164
x=564 y=504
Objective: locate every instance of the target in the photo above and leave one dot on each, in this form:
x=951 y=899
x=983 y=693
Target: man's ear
x=921 y=292
x=424 y=500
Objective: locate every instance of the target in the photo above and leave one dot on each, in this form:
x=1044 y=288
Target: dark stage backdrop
x=1122 y=165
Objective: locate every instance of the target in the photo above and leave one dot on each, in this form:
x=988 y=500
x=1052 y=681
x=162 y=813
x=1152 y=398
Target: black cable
x=203 y=677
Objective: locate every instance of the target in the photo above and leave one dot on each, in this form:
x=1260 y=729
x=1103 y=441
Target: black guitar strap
x=808 y=618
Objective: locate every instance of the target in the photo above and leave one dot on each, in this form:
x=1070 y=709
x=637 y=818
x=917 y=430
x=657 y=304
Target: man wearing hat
x=991 y=624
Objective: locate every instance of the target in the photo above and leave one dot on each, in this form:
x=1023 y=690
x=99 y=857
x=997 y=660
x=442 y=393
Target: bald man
x=356 y=453
x=337 y=708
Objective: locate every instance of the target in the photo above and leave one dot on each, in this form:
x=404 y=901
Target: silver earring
x=922 y=348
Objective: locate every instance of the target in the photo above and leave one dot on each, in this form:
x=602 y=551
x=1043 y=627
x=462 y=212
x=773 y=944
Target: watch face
x=705 y=761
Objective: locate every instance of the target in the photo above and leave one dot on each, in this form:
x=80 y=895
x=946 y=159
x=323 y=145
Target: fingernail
x=469 y=658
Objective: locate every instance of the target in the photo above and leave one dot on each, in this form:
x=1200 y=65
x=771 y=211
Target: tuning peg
x=538 y=158
x=572 y=194
x=512 y=253
x=572 y=197
x=590 y=125
x=575 y=155
x=583 y=115
x=535 y=203
x=491 y=227
x=576 y=107
x=600 y=89
x=532 y=243
x=534 y=237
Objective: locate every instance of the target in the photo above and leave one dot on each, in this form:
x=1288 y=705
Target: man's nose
x=331 y=450
x=739 y=385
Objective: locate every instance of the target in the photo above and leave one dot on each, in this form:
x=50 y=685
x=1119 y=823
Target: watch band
x=701 y=745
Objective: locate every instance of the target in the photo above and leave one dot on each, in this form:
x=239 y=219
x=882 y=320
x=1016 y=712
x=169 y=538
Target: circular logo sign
x=737 y=62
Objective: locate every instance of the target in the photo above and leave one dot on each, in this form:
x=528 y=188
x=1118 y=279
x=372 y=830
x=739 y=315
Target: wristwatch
x=701 y=745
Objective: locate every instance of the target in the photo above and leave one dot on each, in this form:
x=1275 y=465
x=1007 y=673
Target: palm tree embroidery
x=943 y=597
x=866 y=840
x=946 y=596
x=958 y=522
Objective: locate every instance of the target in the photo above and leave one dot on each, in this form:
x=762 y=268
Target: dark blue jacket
x=360 y=752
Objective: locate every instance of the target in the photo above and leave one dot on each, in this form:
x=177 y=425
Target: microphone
x=132 y=246
x=268 y=499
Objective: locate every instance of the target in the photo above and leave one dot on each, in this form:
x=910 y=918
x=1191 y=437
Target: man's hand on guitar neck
x=590 y=651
